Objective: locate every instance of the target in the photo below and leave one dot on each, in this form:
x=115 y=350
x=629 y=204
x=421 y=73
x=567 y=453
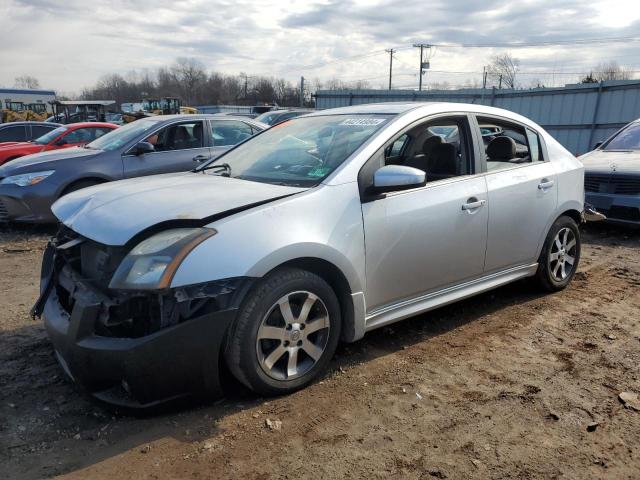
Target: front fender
x=308 y=250
x=322 y=223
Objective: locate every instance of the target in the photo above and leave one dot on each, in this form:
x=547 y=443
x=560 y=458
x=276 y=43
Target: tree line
x=188 y=79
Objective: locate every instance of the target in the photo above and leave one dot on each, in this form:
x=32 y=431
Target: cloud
x=69 y=45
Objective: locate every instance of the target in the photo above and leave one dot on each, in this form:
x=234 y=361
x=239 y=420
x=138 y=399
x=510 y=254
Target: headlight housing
x=152 y=263
x=26 y=179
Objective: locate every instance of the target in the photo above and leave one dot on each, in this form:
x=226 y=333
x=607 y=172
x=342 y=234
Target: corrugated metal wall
x=576 y=115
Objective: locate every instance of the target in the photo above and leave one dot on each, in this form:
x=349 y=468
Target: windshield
x=300 y=152
x=627 y=139
x=123 y=135
x=53 y=134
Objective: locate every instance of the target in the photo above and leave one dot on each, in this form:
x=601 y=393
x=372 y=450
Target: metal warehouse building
x=576 y=115
x=26 y=96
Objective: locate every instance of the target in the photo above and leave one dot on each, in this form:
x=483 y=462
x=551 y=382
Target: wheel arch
x=65 y=189
x=337 y=280
x=572 y=209
x=573 y=213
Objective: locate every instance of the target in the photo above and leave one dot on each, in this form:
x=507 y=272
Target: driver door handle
x=544 y=184
x=201 y=158
x=473 y=205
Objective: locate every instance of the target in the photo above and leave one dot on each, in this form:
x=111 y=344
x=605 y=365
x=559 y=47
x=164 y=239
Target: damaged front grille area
x=84 y=270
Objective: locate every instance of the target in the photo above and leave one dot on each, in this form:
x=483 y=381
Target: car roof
x=368 y=108
x=73 y=126
x=429 y=108
x=202 y=116
x=8 y=124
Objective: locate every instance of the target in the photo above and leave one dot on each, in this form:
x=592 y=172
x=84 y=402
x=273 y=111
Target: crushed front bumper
x=173 y=362
x=137 y=372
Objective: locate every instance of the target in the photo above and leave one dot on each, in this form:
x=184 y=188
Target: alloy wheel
x=562 y=255
x=293 y=335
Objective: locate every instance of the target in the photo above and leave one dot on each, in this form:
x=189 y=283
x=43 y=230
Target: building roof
x=83 y=102
x=26 y=91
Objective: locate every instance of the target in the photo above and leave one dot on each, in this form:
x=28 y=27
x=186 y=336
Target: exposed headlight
x=153 y=262
x=26 y=179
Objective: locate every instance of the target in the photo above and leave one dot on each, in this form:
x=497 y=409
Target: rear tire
x=285 y=334
x=560 y=255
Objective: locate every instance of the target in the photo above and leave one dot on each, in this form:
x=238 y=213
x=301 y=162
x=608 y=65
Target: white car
x=312 y=232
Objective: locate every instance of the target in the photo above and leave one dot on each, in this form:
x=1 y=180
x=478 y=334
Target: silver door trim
x=423 y=303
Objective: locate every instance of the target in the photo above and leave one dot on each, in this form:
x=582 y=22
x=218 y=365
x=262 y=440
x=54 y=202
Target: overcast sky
x=69 y=44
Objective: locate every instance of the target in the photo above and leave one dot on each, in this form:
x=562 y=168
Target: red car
x=73 y=135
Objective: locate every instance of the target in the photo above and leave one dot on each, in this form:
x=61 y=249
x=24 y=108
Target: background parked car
x=73 y=135
x=612 y=176
x=158 y=144
x=277 y=116
x=24 y=131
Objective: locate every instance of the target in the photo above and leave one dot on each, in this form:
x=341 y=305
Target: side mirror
x=397 y=177
x=60 y=143
x=143 y=147
x=597 y=145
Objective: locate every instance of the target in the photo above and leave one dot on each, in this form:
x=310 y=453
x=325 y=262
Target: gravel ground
x=509 y=384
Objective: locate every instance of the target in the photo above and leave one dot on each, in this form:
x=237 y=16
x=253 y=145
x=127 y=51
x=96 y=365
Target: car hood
x=609 y=161
x=113 y=213
x=37 y=161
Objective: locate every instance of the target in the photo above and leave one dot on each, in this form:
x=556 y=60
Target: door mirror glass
x=397 y=177
x=144 y=147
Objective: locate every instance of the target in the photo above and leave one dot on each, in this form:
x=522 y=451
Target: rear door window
x=508 y=144
x=17 y=133
x=229 y=132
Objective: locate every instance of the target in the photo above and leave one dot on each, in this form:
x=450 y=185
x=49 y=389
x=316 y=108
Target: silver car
x=313 y=232
x=612 y=176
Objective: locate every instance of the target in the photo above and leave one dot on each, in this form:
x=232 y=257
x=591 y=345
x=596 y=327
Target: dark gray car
x=159 y=144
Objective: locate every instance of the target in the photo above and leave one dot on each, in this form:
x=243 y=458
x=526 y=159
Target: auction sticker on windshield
x=363 y=122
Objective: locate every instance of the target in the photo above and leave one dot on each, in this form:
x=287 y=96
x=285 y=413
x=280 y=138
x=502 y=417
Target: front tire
x=560 y=255
x=286 y=332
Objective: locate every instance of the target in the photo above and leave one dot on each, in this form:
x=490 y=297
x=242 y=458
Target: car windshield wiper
x=223 y=166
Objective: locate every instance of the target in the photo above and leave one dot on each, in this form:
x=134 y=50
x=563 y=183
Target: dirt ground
x=509 y=384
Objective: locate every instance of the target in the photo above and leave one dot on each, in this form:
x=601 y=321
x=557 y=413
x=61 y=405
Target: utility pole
x=484 y=77
x=246 y=78
x=302 y=91
x=500 y=84
x=390 y=51
x=424 y=65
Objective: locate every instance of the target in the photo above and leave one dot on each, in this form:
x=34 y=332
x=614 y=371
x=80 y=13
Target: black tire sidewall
x=544 y=271
x=241 y=347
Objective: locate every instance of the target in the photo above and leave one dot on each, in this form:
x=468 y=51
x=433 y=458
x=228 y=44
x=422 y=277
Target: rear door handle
x=544 y=184
x=201 y=158
x=473 y=205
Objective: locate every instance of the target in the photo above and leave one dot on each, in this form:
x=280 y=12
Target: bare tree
x=26 y=81
x=503 y=70
x=191 y=76
x=607 y=71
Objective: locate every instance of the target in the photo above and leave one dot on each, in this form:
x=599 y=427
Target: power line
x=575 y=41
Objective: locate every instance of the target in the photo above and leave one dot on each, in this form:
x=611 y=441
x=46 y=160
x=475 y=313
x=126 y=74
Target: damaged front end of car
x=121 y=332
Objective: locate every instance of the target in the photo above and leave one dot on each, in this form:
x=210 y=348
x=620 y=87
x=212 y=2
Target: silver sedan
x=315 y=231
